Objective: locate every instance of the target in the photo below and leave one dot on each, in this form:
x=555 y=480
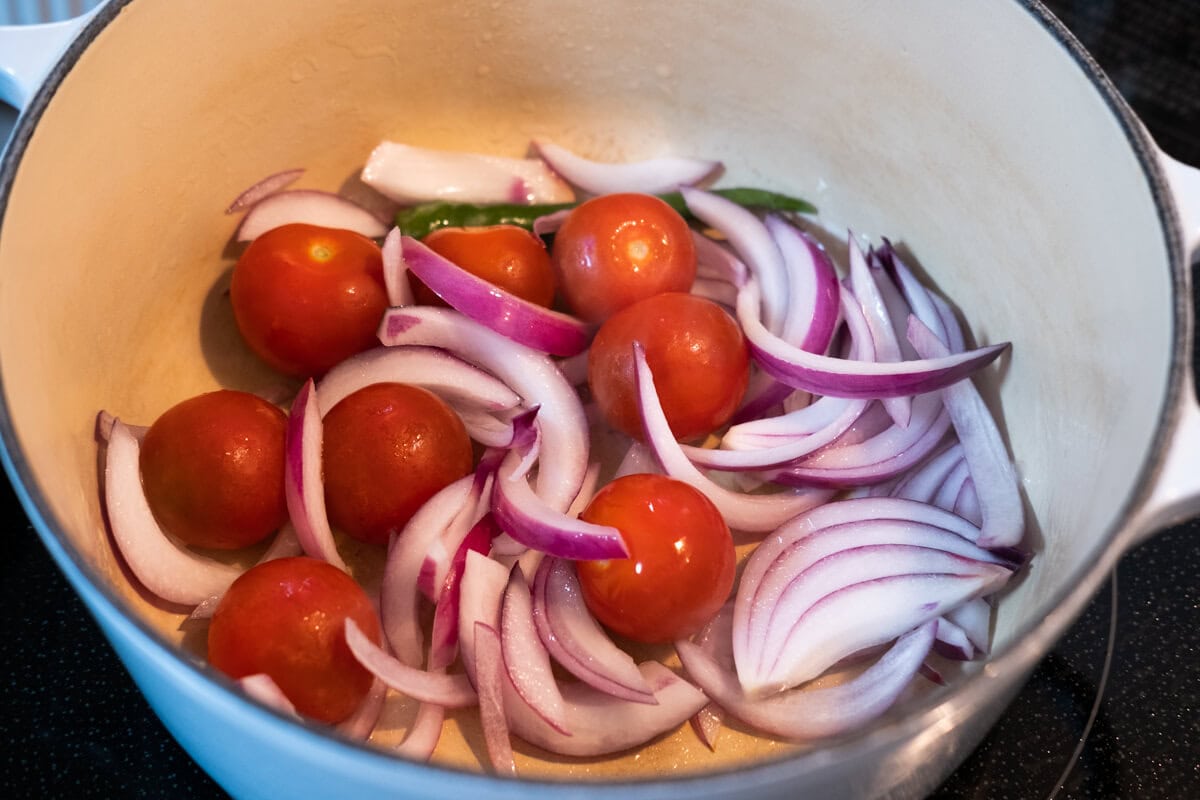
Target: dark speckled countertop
x=1112 y=712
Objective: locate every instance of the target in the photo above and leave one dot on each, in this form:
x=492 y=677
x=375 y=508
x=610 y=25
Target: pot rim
x=1005 y=668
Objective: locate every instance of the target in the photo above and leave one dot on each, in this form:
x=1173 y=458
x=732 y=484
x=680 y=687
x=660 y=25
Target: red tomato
x=212 y=469
x=697 y=352
x=286 y=618
x=505 y=255
x=307 y=297
x=681 y=559
x=616 y=249
x=388 y=448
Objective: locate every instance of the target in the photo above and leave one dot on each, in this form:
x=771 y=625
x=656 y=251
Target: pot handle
x=29 y=52
x=1175 y=495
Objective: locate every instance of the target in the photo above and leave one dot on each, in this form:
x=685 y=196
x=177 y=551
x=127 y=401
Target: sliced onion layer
x=409 y=174
x=561 y=421
x=543 y=329
x=601 y=724
x=651 y=176
x=446 y=690
x=576 y=640
x=304 y=482
x=807 y=714
x=166 y=569
x=263 y=188
x=313 y=207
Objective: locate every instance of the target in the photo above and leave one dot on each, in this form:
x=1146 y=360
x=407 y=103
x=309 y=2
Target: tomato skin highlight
x=387 y=449
x=212 y=469
x=681 y=560
x=697 y=352
x=306 y=297
x=286 y=618
x=617 y=249
x=506 y=256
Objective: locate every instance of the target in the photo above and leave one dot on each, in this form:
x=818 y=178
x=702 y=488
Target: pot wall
x=1010 y=179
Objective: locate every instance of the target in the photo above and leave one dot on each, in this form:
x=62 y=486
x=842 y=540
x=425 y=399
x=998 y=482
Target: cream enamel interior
x=1006 y=176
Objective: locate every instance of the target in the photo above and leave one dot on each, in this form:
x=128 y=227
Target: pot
x=1026 y=188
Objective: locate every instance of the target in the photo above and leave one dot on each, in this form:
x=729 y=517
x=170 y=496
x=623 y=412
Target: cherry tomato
x=505 y=255
x=212 y=469
x=388 y=448
x=698 y=355
x=286 y=618
x=307 y=297
x=616 y=249
x=681 y=559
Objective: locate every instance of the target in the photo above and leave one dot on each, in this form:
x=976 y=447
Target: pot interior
x=1009 y=179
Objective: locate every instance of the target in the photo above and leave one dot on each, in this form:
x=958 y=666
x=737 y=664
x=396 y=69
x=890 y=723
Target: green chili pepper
x=420 y=220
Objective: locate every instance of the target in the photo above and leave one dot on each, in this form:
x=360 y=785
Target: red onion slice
x=826 y=529
x=166 y=569
x=395 y=271
x=284 y=545
x=950 y=641
x=754 y=245
x=813 y=288
x=525 y=657
x=806 y=714
x=531 y=522
x=399 y=596
x=746 y=512
x=974 y=618
x=885 y=455
x=879 y=321
x=992 y=471
x=922 y=483
x=460 y=384
x=481 y=595
x=716 y=262
x=864 y=615
x=846 y=378
x=263 y=688
x=443 y=689
x=820 y=578
x=550 y=223
x=651 y=176
x=576 y=640
x=263 y=188
x=542 y=329
x=304 y=483
x=780 y=453
x=443 y=635
x=561 y=420
x=362 y=722
x=308 y=205
x=716 y=640
x=410 y=174
x=422 y=738
x=491 y=678
x=601 y=724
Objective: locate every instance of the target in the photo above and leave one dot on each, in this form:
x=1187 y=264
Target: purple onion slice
x=263 y=188
x=410 y=174
x=443 y=689
x=651 y=176
x=992 y=471
x=576 y=640
x=166 y=569
x=851 y=378
x=542 y=329
x=311 y=206
x=806 y=714
x=534 y=376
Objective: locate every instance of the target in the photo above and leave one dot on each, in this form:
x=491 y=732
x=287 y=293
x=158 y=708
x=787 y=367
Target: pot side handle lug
x=29 y=52
x=1175 y=496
